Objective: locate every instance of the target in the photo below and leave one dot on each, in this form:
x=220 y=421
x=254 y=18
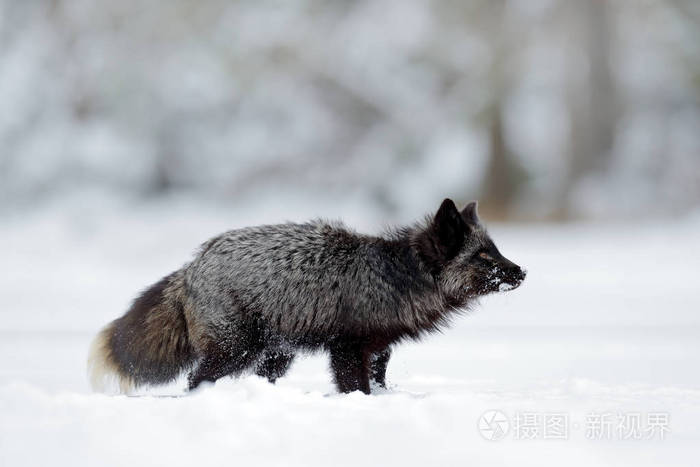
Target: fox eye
x=485 y=255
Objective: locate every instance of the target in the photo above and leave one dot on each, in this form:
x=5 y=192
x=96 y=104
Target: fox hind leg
x=219 y=361
x=274 y=364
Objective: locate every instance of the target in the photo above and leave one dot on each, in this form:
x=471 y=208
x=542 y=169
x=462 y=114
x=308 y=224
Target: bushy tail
x=148 y=345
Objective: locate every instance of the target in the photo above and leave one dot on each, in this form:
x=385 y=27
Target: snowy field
x=604 y=331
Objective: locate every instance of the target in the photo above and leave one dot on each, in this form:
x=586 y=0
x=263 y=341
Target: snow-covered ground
x=606 y=326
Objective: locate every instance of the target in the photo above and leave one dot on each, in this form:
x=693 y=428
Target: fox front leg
x=350 y=365
x=378 y=363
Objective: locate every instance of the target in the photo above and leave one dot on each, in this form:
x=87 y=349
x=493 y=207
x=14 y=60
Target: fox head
x=461 y=256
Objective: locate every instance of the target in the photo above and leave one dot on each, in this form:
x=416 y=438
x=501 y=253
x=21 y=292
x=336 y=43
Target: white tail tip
x=103 y=373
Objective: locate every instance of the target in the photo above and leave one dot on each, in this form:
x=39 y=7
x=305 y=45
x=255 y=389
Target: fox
x=253 y=298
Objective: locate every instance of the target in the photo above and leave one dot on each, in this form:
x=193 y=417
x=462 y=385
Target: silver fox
x=252 y=298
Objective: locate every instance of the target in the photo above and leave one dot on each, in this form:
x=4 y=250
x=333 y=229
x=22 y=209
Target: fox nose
x=517 y=273
x=512 y=271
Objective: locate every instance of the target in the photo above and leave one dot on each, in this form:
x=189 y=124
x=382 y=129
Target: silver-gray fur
x=251 y=298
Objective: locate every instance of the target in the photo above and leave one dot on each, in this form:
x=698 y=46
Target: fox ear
x=448 y=223
x=470 y=213
x=444 y=236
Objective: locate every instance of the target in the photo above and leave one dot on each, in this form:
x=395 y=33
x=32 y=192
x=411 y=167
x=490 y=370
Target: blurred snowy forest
x=540 y=109
x=133 y=130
